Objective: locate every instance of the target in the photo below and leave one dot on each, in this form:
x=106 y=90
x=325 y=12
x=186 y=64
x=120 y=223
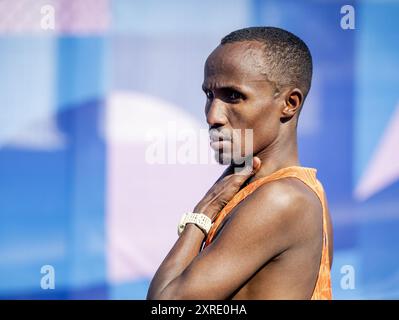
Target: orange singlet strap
x=322 y=288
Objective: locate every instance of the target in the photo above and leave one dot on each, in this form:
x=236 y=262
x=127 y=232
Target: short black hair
x=288 y=58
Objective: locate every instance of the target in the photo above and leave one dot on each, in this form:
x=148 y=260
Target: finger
x=256 y=163
x=226 y=173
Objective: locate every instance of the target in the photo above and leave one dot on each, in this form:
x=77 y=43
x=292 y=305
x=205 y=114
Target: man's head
x=257 y=78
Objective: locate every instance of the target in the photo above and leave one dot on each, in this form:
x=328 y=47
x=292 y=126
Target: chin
x=223 y=158
x=228 y=159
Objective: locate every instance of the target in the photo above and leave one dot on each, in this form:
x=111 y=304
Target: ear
x=292 y=103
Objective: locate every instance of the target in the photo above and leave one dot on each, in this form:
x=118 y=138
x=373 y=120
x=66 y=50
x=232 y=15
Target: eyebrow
x=222 y=87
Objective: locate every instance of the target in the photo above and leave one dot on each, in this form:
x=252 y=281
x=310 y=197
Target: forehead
x=236 y=62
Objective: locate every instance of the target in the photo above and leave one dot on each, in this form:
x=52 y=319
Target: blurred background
x=83 y=82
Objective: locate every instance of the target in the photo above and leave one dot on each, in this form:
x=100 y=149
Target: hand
x=225 y=188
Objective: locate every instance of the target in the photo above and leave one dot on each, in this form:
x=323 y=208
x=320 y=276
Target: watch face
x=200 y=220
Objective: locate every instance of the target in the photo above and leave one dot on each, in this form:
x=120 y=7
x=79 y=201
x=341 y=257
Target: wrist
x=195 y=228
x=200 y=220
x=204 y=210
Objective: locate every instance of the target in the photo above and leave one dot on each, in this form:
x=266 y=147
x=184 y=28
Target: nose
x=215 y=114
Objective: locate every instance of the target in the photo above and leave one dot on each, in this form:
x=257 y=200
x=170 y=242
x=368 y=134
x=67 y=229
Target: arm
x=217 y=271
x=179 y=258
x=189 y=243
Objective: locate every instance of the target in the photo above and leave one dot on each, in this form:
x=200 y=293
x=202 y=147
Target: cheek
x=264 y=137
x=265 y=125
x=259 y=116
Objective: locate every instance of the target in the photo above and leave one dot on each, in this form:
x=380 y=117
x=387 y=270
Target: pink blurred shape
x=383 y=169
x=145 y=201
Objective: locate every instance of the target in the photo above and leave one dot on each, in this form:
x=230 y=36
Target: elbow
x=162 y=294
x=178 y=289
x=168 y=293
x=153 y=295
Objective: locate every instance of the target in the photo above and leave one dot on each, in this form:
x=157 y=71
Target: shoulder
x=288 y=195
x=287 y=208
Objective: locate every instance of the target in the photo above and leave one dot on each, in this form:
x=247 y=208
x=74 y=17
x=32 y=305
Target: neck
x=281 y=153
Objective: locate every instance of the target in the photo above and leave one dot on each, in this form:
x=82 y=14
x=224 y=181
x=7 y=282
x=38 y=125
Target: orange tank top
x=322 y=290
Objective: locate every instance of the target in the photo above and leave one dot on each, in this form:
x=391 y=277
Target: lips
x=218 y=137
x=219 y=140
x=219 y=144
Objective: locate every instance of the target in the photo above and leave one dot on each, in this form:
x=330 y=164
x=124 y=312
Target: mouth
x=220 y=144
x=220 y=140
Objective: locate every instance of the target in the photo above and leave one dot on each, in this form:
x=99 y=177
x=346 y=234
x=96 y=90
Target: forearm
x=178 y=259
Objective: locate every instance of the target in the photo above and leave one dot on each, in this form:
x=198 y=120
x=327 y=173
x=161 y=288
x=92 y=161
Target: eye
x=234 y=95
x=209 y=94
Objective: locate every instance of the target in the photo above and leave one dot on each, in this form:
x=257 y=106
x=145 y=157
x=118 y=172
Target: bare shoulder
x=279 y=215
x=283 y=218
x=289 y=205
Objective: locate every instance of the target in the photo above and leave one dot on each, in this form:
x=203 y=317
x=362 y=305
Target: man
x=271 y=236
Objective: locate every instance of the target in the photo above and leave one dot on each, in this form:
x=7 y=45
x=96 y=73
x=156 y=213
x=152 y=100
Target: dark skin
x=270 y=245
